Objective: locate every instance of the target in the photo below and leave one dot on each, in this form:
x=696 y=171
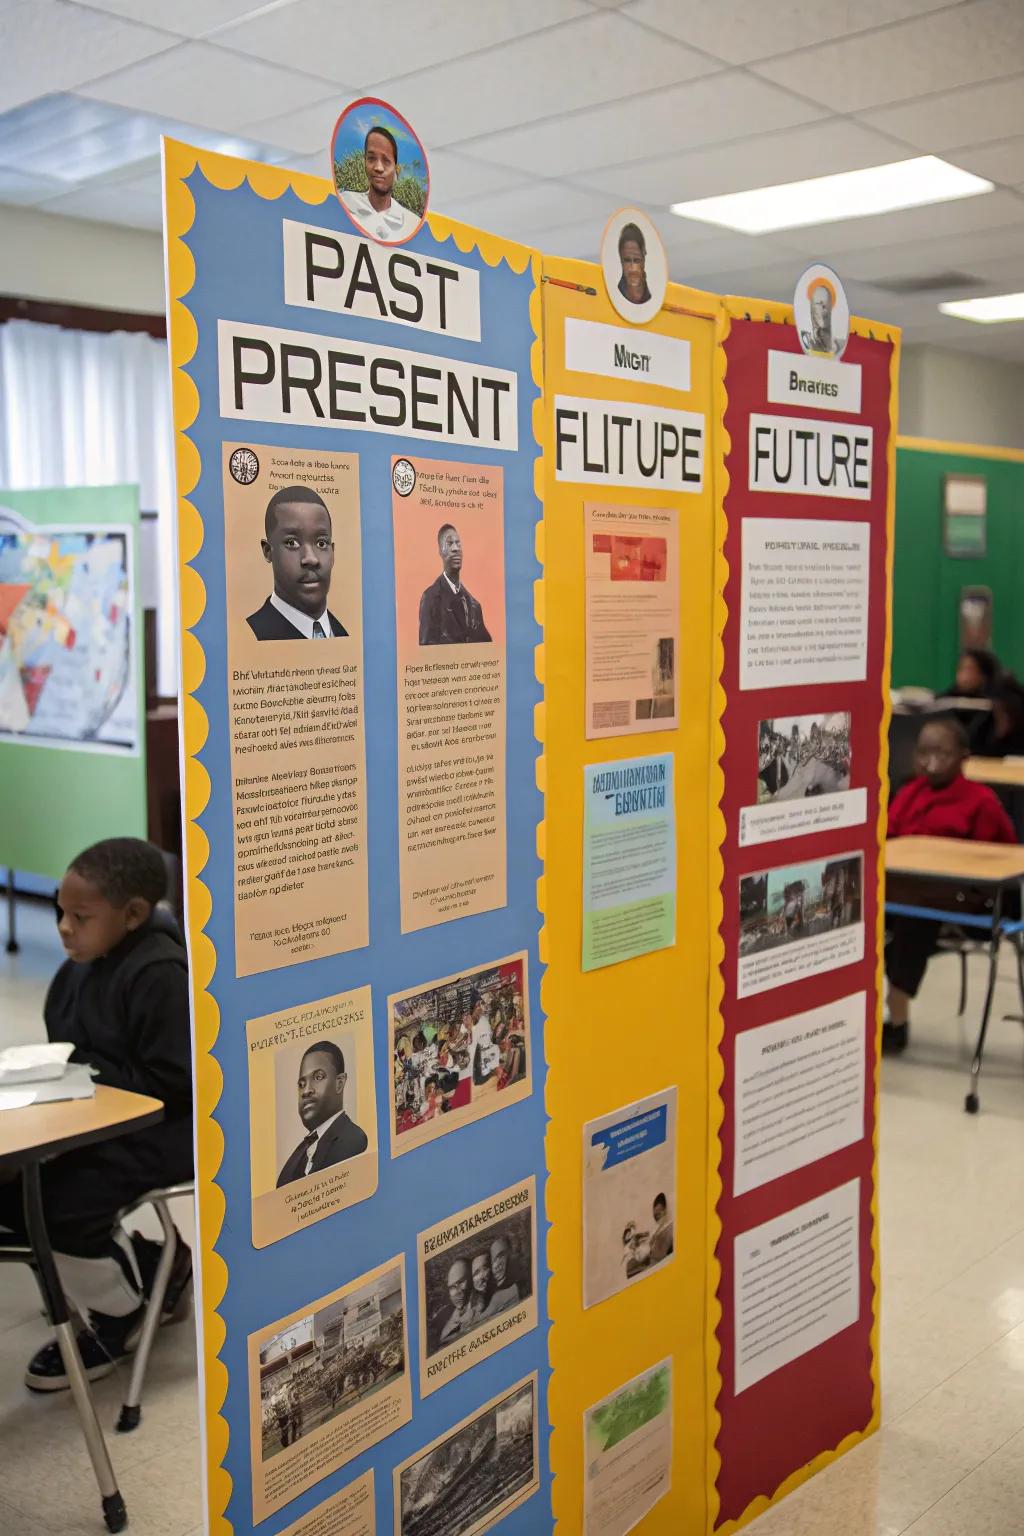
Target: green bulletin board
x=928 y=581
x=72 y=701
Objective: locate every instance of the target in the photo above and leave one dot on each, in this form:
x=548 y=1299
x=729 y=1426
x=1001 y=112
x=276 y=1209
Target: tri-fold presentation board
x=534 y=916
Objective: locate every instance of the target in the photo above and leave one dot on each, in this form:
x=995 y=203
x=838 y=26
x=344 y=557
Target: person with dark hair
x=999 y=732
x=633 y=257
x=506 y=1290
x=938 y=802
x=121 y=999
x=977 y=672
x=662 y=1243
x=298 y=544
x=449 y=613
x=465 y=1308
x=331 y=1136
x=377 y=211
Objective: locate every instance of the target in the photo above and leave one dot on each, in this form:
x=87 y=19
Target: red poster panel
x=805 y=651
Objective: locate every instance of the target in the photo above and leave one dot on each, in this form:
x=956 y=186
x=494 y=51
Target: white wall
x=74 y=261
x=962 y=399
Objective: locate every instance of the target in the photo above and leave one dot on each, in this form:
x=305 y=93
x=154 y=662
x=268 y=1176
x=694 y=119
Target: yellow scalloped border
x=735 y=308
x=269 y=182
x=716 y=913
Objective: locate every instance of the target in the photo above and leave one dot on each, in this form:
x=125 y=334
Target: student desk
x=1006 y=776
x=999 y=866
x=28 y=1138
x=1007 y=772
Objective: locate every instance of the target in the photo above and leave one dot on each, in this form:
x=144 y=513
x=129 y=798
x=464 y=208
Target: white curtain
x=93 y=408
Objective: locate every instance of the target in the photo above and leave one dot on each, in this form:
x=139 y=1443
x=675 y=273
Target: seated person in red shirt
x=938 y=802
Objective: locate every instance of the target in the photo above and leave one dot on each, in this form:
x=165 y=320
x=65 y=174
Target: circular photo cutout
x=380 y=172
x=821 y=312
x=635 y=266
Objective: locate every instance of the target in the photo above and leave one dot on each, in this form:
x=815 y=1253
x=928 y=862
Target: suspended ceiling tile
x=1002 y=163
x=816 y=149
x=646 y=127
x=137 y=203
x=912 y=225
x=960 y=46
x=741 y=30
x=455 y=177
x=369 y=44
x=599 y=58
x=307 y=128
x=974 y=252
x=537 y=206
x=189 y=18
x=50 y=45
x=975 y=115
x=200 y=83
x=16 y=187
x=717 y=261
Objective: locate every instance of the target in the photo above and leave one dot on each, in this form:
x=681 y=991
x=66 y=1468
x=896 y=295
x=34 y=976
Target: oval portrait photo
x=635 y=266
x=821 y=312
x=380 y=172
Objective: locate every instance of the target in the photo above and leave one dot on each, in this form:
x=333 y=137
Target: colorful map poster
x=72 y=695
x=67 y=634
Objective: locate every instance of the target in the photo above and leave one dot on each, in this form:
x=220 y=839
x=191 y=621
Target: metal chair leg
x=971 y=1100
x=131 y=1408
x=963 y=984
x=52 y=1291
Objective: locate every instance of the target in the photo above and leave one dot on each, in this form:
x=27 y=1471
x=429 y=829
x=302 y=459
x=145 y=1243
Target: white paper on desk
x=77 y=1083
x=35 y=1063
x=16 y=1098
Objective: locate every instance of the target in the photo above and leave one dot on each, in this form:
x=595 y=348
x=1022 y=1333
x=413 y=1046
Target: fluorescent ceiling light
x=848 y=195
x=992 y=311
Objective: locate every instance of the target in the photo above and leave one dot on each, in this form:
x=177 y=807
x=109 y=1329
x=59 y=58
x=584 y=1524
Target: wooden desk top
x=995 y=770
x=42 y=1130
x=953 y=858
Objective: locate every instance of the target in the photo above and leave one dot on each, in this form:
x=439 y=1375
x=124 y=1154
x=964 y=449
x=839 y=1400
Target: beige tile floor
x=949 y=1459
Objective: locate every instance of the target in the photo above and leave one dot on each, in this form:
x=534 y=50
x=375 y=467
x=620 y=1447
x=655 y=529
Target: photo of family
x=629 y=1182
x=460 y=1050
x=478 y=1280
x=476 y=1266
x=799 y=901
x=474 y=1475
x=802 y=755
x=326 y=1365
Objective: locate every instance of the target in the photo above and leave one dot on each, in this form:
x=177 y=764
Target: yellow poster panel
x=625 y=424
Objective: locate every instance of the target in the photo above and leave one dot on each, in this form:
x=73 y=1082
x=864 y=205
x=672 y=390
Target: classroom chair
x=131 y=1408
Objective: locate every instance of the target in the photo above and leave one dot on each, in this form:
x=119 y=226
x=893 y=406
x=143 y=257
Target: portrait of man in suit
x=331 y=1137
x=298 y=544
x=449 y=613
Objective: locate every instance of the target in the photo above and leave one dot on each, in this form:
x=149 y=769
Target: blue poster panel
x=356 y=476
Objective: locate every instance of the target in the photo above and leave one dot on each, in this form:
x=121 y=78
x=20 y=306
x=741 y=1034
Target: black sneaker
x=178 y=1295
x=894 y=1038
x=101 y=1346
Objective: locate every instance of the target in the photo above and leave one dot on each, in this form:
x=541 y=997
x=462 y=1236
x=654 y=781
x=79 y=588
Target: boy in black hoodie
x=121 y=999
